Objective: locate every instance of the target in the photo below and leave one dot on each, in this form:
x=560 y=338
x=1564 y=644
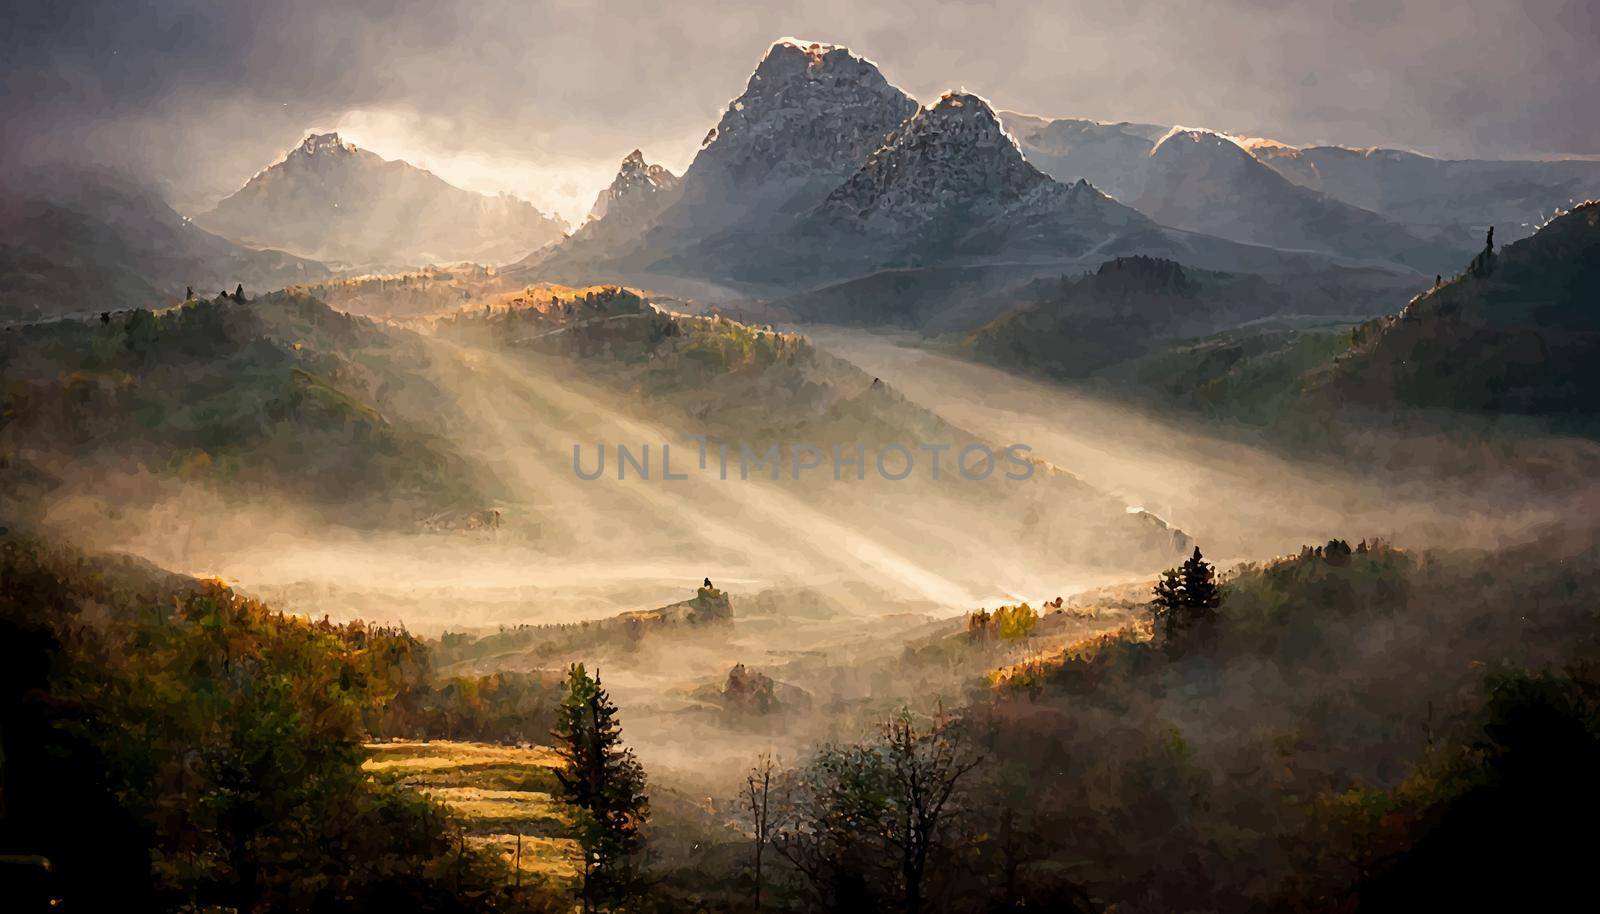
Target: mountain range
x=821 y=181
x=822 y=171
x=1435 y=199
x=333 y=201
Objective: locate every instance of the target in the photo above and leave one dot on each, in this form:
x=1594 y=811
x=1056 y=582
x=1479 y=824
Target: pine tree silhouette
x=1186 y=598
x=603 y=779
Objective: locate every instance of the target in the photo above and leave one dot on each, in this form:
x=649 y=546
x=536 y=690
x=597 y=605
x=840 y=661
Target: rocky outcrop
x=638 y=192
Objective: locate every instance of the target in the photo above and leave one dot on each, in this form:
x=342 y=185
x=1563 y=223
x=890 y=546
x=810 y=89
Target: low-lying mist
x=1241 y=500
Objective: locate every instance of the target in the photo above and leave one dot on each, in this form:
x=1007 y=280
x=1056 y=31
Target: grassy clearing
x=499 y=793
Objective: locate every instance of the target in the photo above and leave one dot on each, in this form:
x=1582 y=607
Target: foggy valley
x=894 y=502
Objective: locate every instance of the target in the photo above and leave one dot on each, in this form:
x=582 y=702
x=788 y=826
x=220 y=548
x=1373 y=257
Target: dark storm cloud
x=200 y=95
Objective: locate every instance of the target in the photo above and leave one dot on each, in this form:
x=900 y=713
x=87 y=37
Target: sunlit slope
x=614 y=366
x=517 y=534
x=506 y=798
x=273 y=397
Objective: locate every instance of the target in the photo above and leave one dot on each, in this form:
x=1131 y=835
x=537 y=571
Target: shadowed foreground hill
x=1515 y=335
x=1353 y=712
x=1075 y=326
x=169 y=744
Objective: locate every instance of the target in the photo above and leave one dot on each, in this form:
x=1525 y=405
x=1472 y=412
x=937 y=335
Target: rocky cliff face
x=334 y=201
x=638 y=191
x=952 y=184
x=809 y=116
x=952 y=155
x=626 y=209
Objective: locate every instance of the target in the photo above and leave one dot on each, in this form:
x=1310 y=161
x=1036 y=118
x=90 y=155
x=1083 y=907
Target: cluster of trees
x=169 y=744
x=278 y=395
x=869 y=826
x=1008 y=623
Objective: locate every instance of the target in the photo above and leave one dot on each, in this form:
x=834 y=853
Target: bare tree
x=871 y=819
x=764 y=818
x=925 y=768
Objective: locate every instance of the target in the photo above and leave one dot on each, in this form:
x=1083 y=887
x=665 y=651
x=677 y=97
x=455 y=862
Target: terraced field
x=505 y=796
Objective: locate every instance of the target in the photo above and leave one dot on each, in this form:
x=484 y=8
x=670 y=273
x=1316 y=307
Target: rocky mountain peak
x=808 y=109
x=953 y=152
x=324 y=144
x=636 y=184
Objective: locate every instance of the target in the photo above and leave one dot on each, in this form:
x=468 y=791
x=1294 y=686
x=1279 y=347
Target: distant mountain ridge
x=1070 y=148
x=336 y=202
x=822 y=171
x=1515 y=196
x=1433 y=198
x=87 y=241
x=1206 y=182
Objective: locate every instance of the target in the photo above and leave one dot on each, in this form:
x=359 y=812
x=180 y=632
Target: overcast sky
x=543 y=99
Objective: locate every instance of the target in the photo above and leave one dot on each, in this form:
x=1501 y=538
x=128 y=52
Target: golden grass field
x=502 y=794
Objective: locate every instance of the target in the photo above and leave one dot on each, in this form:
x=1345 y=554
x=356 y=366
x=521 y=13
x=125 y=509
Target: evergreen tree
x=605 y=782
x=1186 y=597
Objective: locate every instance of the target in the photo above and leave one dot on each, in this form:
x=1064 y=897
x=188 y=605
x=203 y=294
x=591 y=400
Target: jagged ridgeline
x=741 y=384
x=276 y=395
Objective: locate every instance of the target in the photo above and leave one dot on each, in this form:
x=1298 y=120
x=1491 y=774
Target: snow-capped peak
x=1180 y=136
x=954 y=151
x=809 y=109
